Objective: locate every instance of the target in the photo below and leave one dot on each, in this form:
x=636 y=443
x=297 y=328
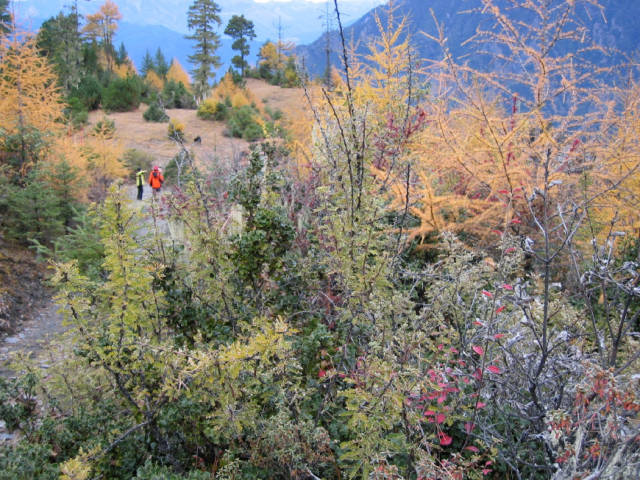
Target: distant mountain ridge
x=618 y=30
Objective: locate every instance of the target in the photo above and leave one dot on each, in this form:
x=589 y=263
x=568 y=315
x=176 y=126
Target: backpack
x=155 y=174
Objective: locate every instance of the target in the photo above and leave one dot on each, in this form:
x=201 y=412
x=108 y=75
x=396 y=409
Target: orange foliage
x=154 y=80
x=178 y=74
x=29 y=96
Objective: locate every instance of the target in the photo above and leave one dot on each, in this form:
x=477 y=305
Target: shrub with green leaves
x=122 y=94
x=242 y=124
x=212 y=110
x=155 y=113
x=88 y=92
x=135 y=160
x=175 y=95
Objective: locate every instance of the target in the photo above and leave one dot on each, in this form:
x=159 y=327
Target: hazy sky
x=300 y=19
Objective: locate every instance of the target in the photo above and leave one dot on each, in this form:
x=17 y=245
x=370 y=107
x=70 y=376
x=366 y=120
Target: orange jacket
x=156 y=180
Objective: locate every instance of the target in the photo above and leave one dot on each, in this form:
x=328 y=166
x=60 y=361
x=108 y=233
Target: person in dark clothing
x=140 y=182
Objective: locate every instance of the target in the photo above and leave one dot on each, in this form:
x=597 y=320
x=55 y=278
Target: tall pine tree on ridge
x=202 y=16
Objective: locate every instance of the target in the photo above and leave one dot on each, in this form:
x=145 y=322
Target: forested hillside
x=401 y=270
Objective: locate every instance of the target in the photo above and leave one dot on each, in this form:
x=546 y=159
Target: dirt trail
x=38 y=334
x=35 y=335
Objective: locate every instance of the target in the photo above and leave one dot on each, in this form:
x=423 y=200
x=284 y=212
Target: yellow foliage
x=79 y=467
x=125 y=69
x=103 y=154
x=620 y=169
x=228 y=89
x=175 y=130
x=178 y=74
x=154 y=80
x=29 y=96
x=239 y=99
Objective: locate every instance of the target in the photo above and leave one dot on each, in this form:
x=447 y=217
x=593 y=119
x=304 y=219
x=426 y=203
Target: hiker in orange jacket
x=156 y=179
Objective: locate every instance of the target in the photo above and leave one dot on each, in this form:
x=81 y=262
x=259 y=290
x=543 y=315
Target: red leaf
x=478 y=349
x=494 y=369
x=499 y=309
x=468 y=427
x=516 y=220
x=510 y=250
x=440 y=418
x=503 y=192
x=481 y=405
x=444 y=439
x=429 y=413
x=498 y=336
x=478 y=322
x=487 y=294
x=486 y=471
x=497 y=232
x=472 y=449
x=321 y=373
x=506 y=286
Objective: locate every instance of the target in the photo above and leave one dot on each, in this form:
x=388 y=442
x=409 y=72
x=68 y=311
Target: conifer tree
x=241 y=30
x=203 y=16
x=147 y=64
x=5 y=17
x=121 y=55
x=59 y=39
x=161 y=65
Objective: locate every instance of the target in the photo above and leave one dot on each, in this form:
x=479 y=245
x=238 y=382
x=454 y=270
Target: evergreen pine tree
x=161 y=65
x=5 y=17
x=241 y=30
x=202 y=19
x=121 y=55
x=147 y=64
x=59 y=39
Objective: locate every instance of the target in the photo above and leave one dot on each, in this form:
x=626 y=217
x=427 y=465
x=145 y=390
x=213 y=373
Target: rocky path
x=35 y=335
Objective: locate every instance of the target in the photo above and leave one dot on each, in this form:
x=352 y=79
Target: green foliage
x=155 y=113
x=211 y=110
x=242 y=31
x=135 y=160
x=76 y=112
x=242 y=124
x=82 y=244
x=59 y=40
x=176 y=95
x=122 y=94
x=161 y=66
x=203 y=17
x=156 y=472
x=89 y=92
x=33 y=210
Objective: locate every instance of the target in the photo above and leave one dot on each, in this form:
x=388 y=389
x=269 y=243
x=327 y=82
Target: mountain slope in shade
x=617 y=30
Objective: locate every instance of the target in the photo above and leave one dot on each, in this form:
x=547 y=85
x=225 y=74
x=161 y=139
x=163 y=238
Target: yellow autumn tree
x=30 y=101
x=504 y=147
x=103 y=25
x=154 y=80
x=178 y=74
x=125 y=69
x=103 y=153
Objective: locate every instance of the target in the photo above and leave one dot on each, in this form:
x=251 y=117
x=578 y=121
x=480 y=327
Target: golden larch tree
x=178 y=74
x=103 y=25
x=29 y=96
